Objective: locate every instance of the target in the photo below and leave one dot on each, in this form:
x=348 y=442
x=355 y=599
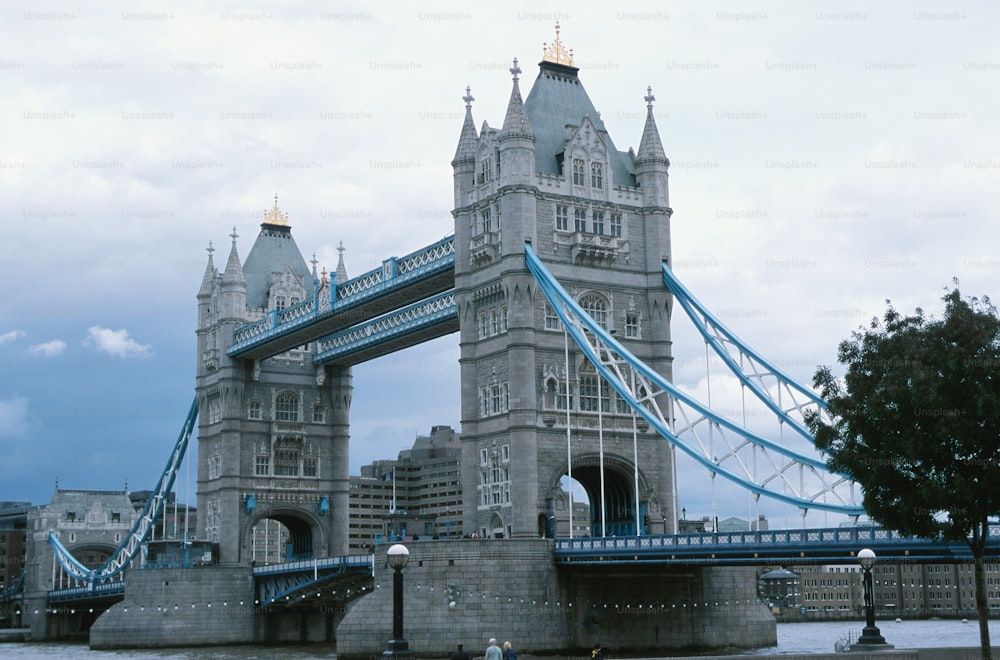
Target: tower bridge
x=557 y=281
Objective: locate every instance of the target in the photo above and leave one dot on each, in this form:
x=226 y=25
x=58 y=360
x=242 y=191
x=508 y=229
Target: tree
x=916 y=422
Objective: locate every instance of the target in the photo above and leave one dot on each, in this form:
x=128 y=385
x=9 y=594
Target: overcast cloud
x=826 y=156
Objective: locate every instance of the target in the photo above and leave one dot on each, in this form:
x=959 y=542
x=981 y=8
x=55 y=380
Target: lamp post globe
x=397 y=556
x=870 y=635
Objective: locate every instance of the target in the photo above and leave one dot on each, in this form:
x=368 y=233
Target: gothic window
x=494 y=478
x=596 y=308
x=286 y=407
x=496 y=153
x=310 y=467
x=552 y=321
x=263 y=466
x=484 y=325
x=485 y=221
x=286 y=463
x=484 y=171
x=580 y=219
x=599 y=222
x=632 y=325
x=279 y=303
x=616 y=225
x=253 y=410
x=494 y=399
x=591 y=393
x=214 y=466
x=562 y=218
x=319 y=414
x=214 y=410
x=596 y=175
x=295 y=301
x=578 y=173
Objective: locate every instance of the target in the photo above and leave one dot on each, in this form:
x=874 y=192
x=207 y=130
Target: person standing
x=508 y=652
x=460 y=654
x=597 y=653
x=493 y=651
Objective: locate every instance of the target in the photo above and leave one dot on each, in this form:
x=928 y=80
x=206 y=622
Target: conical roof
x=272 y=252
x=557 y=99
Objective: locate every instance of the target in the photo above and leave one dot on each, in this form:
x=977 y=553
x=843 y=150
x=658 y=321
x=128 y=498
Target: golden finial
x=275 y=216
x=556 y=52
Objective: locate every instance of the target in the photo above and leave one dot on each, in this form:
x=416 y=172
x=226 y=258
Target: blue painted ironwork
x=785 y=546
x=283 y=582
x=433 y=311
x=89 y=592
x=720 y=338
x=643 y=389
x=143 y=525
x=395 y=274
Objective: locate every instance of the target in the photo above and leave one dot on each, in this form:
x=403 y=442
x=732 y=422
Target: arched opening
x=496 y=529
x=618 y=510
x=279 y=538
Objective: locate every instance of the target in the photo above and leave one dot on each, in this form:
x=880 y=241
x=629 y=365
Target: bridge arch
x=298 y=535
x=619 y=491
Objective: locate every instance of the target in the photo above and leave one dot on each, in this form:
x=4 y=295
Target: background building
x=417 y=495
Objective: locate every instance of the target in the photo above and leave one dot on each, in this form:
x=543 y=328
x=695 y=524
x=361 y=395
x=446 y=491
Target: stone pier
x=466 y=591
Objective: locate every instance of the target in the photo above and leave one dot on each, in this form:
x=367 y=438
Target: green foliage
x=916 y=419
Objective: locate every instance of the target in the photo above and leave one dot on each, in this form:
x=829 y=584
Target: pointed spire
x=515 y=122
x=234 y=271
x=210 y=273
x=650 y=147
x=341 y=275
x=467 y=139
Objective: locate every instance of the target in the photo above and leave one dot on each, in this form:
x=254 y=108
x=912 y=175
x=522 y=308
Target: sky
x=825 y=157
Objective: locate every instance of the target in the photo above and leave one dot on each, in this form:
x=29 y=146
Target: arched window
x=595 y=307
x=286 y=407
x=596 y=175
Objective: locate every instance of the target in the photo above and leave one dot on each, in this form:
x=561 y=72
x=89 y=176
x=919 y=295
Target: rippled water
x=792 y=638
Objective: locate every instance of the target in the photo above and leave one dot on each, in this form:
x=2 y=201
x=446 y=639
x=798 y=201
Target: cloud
x=49 y=348
x=8 y=337
x=116 y=343
x=13 y=417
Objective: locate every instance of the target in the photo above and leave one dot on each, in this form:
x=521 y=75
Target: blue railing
x=393 y=274
x=837 y=544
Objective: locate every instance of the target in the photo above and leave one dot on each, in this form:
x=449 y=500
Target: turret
x=233 y=287
x=651 y=162
x=464 y=163
x=517 y=142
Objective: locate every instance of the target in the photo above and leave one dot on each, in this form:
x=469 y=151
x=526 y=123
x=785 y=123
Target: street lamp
x=397 y=556
x=870 y=635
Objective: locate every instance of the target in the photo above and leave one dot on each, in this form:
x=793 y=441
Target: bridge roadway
x=397 y=283
x=836 y=545
x=312 y=582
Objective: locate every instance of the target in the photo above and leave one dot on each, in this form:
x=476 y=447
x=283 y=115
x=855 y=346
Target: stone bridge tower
x=600 y=220
x=273 y=433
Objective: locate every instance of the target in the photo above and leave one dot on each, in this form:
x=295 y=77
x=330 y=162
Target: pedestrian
x=493 y=651
x=597 y=653
x=508 y=652
x=460 y=654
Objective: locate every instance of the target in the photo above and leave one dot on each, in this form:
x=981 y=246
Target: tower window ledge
x=289 y=428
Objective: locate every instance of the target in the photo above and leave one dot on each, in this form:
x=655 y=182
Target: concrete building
x=418 y=494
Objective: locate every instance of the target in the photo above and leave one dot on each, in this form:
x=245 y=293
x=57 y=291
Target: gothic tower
x=600 y=220
x=272 y=433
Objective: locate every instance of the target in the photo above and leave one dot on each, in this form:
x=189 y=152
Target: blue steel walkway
x=837 y=545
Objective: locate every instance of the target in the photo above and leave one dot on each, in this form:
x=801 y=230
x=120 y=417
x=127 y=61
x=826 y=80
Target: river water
x=792 y=638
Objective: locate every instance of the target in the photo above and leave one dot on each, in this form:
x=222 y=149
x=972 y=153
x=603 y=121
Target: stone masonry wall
x=167 y=607
x=466 y=591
